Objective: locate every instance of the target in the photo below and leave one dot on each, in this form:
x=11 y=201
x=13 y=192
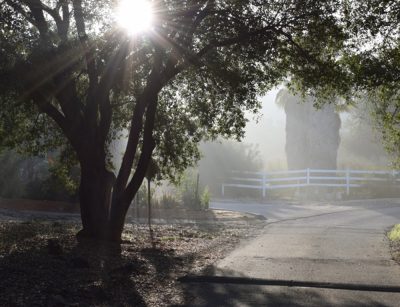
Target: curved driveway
x=319 y=246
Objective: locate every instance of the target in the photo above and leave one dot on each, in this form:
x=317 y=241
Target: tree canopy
x=366 y=68
x=72 y=78
x=376 y=70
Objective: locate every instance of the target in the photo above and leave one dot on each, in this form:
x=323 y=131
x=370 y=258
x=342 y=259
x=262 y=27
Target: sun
x=134 y=16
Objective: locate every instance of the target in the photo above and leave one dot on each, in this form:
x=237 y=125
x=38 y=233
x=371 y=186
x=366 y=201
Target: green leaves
x=213 y=60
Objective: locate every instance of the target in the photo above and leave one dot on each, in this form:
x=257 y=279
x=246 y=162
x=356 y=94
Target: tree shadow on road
x=249 y=293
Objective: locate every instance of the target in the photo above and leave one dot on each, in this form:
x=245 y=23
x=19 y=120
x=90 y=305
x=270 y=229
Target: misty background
x=263 y=147
x=354 y=145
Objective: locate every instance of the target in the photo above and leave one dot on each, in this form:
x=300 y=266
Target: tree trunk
x=121 y=201
x=117 y=220
x=95 y=195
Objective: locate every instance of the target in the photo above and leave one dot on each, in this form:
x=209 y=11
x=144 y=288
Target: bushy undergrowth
x=394 y=233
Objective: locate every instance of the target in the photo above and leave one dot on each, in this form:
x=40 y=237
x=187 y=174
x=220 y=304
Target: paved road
x=339 y=245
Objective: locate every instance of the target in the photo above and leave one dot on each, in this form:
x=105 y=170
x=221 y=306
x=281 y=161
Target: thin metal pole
x=149 y=201
x=197 y=191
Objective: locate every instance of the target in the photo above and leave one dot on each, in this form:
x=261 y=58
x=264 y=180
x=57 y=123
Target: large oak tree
x=71 y=78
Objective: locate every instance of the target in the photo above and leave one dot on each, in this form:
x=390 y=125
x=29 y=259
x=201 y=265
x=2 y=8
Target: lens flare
x=134 y=16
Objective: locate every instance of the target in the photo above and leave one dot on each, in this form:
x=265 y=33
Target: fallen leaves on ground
x=41 y=264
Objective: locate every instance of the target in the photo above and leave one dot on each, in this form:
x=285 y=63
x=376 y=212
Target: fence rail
x=307 y=178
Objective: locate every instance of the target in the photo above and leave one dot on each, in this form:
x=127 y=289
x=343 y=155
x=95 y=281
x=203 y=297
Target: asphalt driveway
x=315 y=254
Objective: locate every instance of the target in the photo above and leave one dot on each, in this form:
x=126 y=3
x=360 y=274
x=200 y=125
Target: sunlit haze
x=134 y=15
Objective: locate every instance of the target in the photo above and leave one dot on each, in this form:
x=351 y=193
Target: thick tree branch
x=91 y=106
x=83 y=38
x=116 y=63
x=52 y=12
x=45 y=106
x=36 y=8
x=195 y=59
x=238 y=39
x=61 y=23
x=202 y=14
x=145 y=156
x=66 y=19
x=66 y=94
x=149 y=93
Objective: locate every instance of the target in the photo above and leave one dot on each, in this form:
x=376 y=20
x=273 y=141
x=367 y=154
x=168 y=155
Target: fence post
x=308 y=176
x=223 y=190
x=347 y=181
x=263 y=185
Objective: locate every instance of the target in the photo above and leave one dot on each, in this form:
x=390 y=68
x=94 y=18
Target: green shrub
x=169 y=201
x=35 y=178
x=205 y=198
x=188 y=191
x=394 y=234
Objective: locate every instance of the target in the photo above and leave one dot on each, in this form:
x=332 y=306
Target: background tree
x=367 y=68
x=361 y=143
x=71 y=78
x=312 y=135
x=34 y=177
x=375 y=68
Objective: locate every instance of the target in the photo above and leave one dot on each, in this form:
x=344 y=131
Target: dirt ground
x=41 y=264
x=395 y=250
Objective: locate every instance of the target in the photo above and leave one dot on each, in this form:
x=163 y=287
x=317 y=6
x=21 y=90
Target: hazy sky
x=269 y=132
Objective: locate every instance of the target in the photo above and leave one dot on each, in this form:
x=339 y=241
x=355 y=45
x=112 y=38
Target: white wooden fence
x=344 y=179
